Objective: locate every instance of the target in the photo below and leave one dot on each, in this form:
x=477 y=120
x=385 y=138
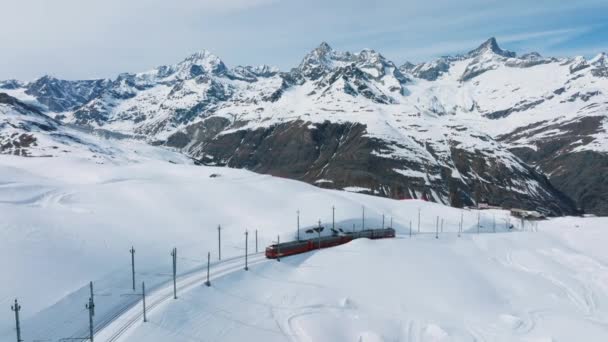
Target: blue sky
x=87 y=39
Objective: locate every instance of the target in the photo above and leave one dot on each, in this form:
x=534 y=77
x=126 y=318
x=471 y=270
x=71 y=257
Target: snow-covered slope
x=68 y=220
x=26 y=131
x=479 y=127
x=503 y=287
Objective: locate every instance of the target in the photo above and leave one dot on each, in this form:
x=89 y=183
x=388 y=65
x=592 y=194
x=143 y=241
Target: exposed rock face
x=581 y=174
x=59 y=95
x=342 y=156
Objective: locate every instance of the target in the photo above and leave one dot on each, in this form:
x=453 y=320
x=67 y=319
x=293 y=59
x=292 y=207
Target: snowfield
x=67 y=220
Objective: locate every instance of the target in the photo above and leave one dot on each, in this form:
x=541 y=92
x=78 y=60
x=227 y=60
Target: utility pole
x=132 y=251
x=298 y=212
x=353 y=228
x=208 y=283
x=91 y=308
x=363 y=218
x=478 y=220
x=16 y=308
x=246 y=252
x=382 y=221
x=256 y=241
x=333 y=218
x=418 y=220
x=437 y=228
x=91 y=295
x=410 y=228
x=494 y=223
x=219 y=242
x=278 y=248
x=174 y=255
x=143 y=299
x=442 y=225
x=392 y=222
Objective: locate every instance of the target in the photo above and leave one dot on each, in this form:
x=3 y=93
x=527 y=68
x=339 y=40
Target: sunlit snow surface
x=65 y=221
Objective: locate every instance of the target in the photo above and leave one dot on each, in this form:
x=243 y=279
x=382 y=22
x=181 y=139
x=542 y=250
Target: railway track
x=113 y=327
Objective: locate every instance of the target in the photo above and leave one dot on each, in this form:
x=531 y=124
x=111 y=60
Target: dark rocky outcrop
x=581 y=175
x=334 y=155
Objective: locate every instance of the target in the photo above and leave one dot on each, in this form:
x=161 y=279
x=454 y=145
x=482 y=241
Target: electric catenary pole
x=91 y=308
x=132 y=251
x=219 y=242
x=208 y=283
x=298 y=223
x=437 y=228
x=91 y=295
x=256 y=241
x=246 y=252
x=16 y=308
x=143 y=299
x=362 y=218
x=333 y=218
x=174 y=255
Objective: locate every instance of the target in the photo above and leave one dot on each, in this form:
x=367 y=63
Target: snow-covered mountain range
x=487 y=126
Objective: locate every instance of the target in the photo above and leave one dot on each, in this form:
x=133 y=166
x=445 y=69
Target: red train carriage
x=302 y=246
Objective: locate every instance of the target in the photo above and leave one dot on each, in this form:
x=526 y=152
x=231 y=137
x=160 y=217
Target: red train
x=302 y=246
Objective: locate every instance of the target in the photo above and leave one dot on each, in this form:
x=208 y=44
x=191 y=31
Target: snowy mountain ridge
x=486 y=126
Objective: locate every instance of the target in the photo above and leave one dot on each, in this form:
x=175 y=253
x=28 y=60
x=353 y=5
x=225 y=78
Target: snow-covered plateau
x=72 y=219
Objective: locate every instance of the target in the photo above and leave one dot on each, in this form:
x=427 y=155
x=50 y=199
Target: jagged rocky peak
x=599 y=65
x=431 y=71
x=252 y=73
x=490 y=46
x=11 y=84
x=407 y=67
x=600 y=60
x=374 y=63
x=577 y=63
x=531 y=56
x=199 y=63
x=321 y=60
x=324 y=60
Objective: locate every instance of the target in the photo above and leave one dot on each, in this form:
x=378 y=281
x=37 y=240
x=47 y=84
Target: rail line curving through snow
x=112 y=328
